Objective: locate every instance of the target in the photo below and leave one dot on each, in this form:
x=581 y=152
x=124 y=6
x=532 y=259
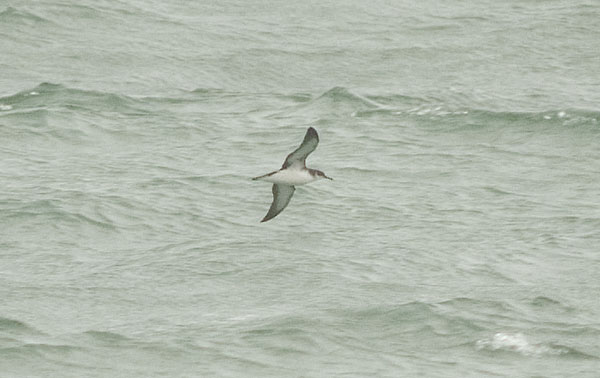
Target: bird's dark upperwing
x=311 y=139
x=282 y=194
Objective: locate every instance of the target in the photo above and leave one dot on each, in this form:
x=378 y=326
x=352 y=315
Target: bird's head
x=321 y=175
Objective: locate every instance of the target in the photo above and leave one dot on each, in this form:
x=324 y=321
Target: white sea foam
x=516 y=342
x=5 y=107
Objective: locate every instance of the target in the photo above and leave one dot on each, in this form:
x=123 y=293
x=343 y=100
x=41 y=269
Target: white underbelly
x=290 y=177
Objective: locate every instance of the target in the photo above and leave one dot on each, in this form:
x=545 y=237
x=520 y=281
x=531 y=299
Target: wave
x=58 y=212
x=40 y=349
x=416 y=318
x=13 y=16
x=106 y=337
x=59 y=113
x=543 y=302
x=343 y=95
x=7 y=324
x=506 y=342
x=56 y=112
x=13 y=336
x=337 y=100
x=49 y=95
x=408 y=106
x=341 y=101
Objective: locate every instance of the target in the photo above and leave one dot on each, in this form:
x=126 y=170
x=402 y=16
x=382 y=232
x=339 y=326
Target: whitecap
x=5 y=107
x=516 y=342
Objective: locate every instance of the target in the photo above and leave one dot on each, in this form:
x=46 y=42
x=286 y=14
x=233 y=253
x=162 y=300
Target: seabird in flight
x=293 y=172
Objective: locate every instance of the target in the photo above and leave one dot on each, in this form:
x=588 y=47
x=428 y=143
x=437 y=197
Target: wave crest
x=12 y=15
x=59 y=96
x=519 y=343
x=12 y=324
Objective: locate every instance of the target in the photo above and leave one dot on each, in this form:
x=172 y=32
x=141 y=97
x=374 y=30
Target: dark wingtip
x=269 y=217
x=311 y=133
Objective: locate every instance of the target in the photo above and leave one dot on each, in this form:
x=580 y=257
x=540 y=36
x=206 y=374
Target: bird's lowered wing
x=282 y=194
x=311 y=139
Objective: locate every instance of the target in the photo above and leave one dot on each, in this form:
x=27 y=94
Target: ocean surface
x=459 y=238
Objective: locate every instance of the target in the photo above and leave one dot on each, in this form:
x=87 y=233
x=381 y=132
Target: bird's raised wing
x=311 y=139
x=282 y=194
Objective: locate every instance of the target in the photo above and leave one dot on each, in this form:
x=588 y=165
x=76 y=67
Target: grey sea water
x=459 y=238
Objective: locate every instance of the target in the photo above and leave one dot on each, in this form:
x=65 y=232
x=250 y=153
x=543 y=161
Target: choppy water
x=460 y=237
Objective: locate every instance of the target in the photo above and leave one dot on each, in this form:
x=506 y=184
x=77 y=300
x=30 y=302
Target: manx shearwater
x=293 y=172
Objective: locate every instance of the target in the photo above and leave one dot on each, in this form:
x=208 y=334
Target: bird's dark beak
x=327 y=177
